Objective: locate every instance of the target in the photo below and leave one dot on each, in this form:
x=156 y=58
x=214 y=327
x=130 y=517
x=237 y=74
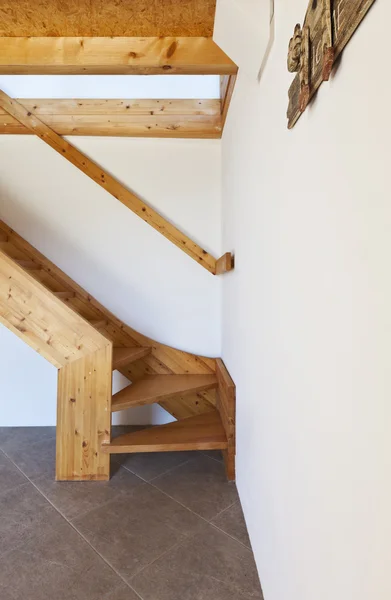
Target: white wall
x=307 y=318
x=129 y=267
x=111 y=86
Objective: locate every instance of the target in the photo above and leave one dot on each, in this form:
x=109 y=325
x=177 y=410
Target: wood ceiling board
x=160 y=126
x=113 y=56
x=81 y=106
x=107 y=17
x=131 y=118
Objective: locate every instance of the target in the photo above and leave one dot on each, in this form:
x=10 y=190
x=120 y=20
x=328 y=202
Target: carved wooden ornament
x=328 y=27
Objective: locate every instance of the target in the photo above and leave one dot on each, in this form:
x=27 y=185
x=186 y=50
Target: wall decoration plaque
x=313 y=49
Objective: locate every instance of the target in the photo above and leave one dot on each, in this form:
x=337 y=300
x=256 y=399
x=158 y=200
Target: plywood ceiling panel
x=107 y=17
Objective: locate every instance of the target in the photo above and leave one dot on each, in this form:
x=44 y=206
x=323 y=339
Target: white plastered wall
x=306 y=323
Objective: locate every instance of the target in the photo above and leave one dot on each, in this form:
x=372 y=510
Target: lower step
x=202 y=432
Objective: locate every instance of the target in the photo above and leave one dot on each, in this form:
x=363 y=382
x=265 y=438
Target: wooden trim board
x=106 y=181
x=115 y=55
x=137 y=118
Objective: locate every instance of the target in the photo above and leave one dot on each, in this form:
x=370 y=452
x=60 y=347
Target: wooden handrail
x=109 y=183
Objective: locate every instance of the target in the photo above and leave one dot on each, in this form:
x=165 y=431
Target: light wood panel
x=226 y=405
x=83 y=417
x=161 y=126
x=161 y=360
x=40 y=319
x=153 y=388
x=203 y=432
x=136 y=118
x=106 y=181
x=120 y=107
x=113 y=55
x=106 y=17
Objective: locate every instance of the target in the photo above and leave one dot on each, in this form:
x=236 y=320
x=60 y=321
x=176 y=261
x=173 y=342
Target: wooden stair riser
x=155 y=388
x=125 y=356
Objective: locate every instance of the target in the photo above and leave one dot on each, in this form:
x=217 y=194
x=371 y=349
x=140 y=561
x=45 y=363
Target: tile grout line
x=189 y=509
x=161 y=556
x=74 y=528
x=212 y=457
x=203 y=518
x=160 y=474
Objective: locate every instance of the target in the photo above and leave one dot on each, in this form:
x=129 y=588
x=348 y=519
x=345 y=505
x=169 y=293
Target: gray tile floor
x=165 y=527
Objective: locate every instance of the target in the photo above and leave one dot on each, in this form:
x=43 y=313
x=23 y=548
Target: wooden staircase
x=86 y=343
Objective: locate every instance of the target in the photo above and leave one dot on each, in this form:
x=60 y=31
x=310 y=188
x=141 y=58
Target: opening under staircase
x=61 y=321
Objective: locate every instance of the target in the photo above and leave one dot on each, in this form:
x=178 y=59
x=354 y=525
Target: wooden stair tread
x=202 y=432
x=124 y=356
x=154 y=388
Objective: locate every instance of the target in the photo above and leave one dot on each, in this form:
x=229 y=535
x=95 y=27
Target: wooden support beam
x=113 y=55
x=83 y=418
x=121 y=107
x=106 y=181
x=135 y=118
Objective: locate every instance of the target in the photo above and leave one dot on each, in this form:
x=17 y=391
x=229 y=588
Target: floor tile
x=74 y=498
x=149 y=465
x=10 y=476
x=58 y=564
x=23 y=512
x=17 y=436
x=216 y=454
x=34 y=459
x=232 y=522
x=209 y=566
x=201 y=485
x=132 y=531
